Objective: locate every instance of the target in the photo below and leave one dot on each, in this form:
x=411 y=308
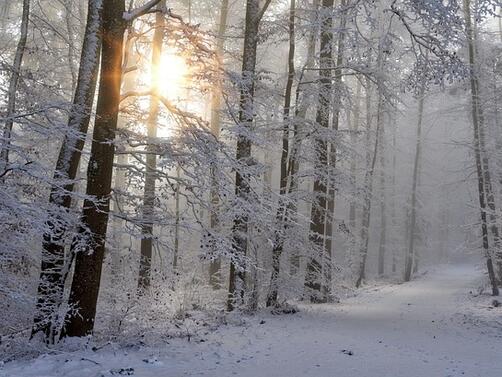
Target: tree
x=282 y=211
x=318 y=212
x=54 y=267
x=486 y=199
x=337 y=105
x=410 y=255
x=371 y=157
x=151 y=158
x=215 y=265
x=89 y=245
x=237 y=279
x=13 y=85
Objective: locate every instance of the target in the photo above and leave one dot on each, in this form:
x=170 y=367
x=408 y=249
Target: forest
x=250 y=187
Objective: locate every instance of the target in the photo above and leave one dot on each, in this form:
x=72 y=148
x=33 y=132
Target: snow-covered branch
x=140 y=11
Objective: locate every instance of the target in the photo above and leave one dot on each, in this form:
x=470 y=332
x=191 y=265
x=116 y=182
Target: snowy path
x=411 y=330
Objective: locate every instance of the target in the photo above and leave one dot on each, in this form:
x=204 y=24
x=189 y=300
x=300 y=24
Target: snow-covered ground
x=435 y=326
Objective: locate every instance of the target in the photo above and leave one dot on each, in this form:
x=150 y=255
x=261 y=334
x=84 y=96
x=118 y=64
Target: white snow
x=434 y=326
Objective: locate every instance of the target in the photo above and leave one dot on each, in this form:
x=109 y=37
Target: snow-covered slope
x=434 y=326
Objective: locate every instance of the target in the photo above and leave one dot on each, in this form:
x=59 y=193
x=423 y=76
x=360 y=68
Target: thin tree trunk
x=393 y=201
x=368 y=182
x=176 y=250
x=319 y=206
x=145 y=264
x=215 y=265
x=353 y=162
x=301 y=108
x=54 y=269
x=89 y=245
x=330 y=215
x=383 y=219
x=13 y=85
x=484 y=184
x=371 y=161
x=282 y=211
x=71 y=44
x=410 y=255
x=237 y=278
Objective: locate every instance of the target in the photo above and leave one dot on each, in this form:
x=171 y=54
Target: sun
x=173 y=76
x=171 y=79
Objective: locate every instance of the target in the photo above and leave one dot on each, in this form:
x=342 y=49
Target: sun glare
x=172 y=79
x=173 y=76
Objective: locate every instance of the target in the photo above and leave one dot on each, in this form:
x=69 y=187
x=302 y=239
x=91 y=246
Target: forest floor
x=438 y=325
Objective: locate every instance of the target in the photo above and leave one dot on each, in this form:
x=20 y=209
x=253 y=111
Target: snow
x=437 y=325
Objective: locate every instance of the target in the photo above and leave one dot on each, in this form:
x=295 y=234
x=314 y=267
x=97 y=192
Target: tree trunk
x=237 y=278
x=71 y=43
x=371 y=161
x=393 y=201
x=282 y=210
x=215 y=265
x=176 y=250
x=54 y=269
x=301 y=108
x=353 y=164
x=330 y=215
x=145 y=264
x=484 y=184
x=383 y=219
x=89 y=245
x=313 y=276
x=410 y=255
x=368 y=181
x=13 y=85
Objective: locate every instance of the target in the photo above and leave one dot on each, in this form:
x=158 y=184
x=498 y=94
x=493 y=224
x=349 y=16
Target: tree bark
x=313 y=278
x=13 y=85
x=302 y=105
x=237 y=278
x=482 y=168
x=54 y=268
x=89 y=245
x=282 y=211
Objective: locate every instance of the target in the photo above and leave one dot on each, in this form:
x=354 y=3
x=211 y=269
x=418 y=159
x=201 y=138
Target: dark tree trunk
x=282 y=211
x=89 y=245
x=484 y=183
x=54 y=268
x=313 y=278
x=302 y=104
x=237 y=278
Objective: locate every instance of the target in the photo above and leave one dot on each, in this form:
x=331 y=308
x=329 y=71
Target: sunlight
x=173 y=76
x=172 y=80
